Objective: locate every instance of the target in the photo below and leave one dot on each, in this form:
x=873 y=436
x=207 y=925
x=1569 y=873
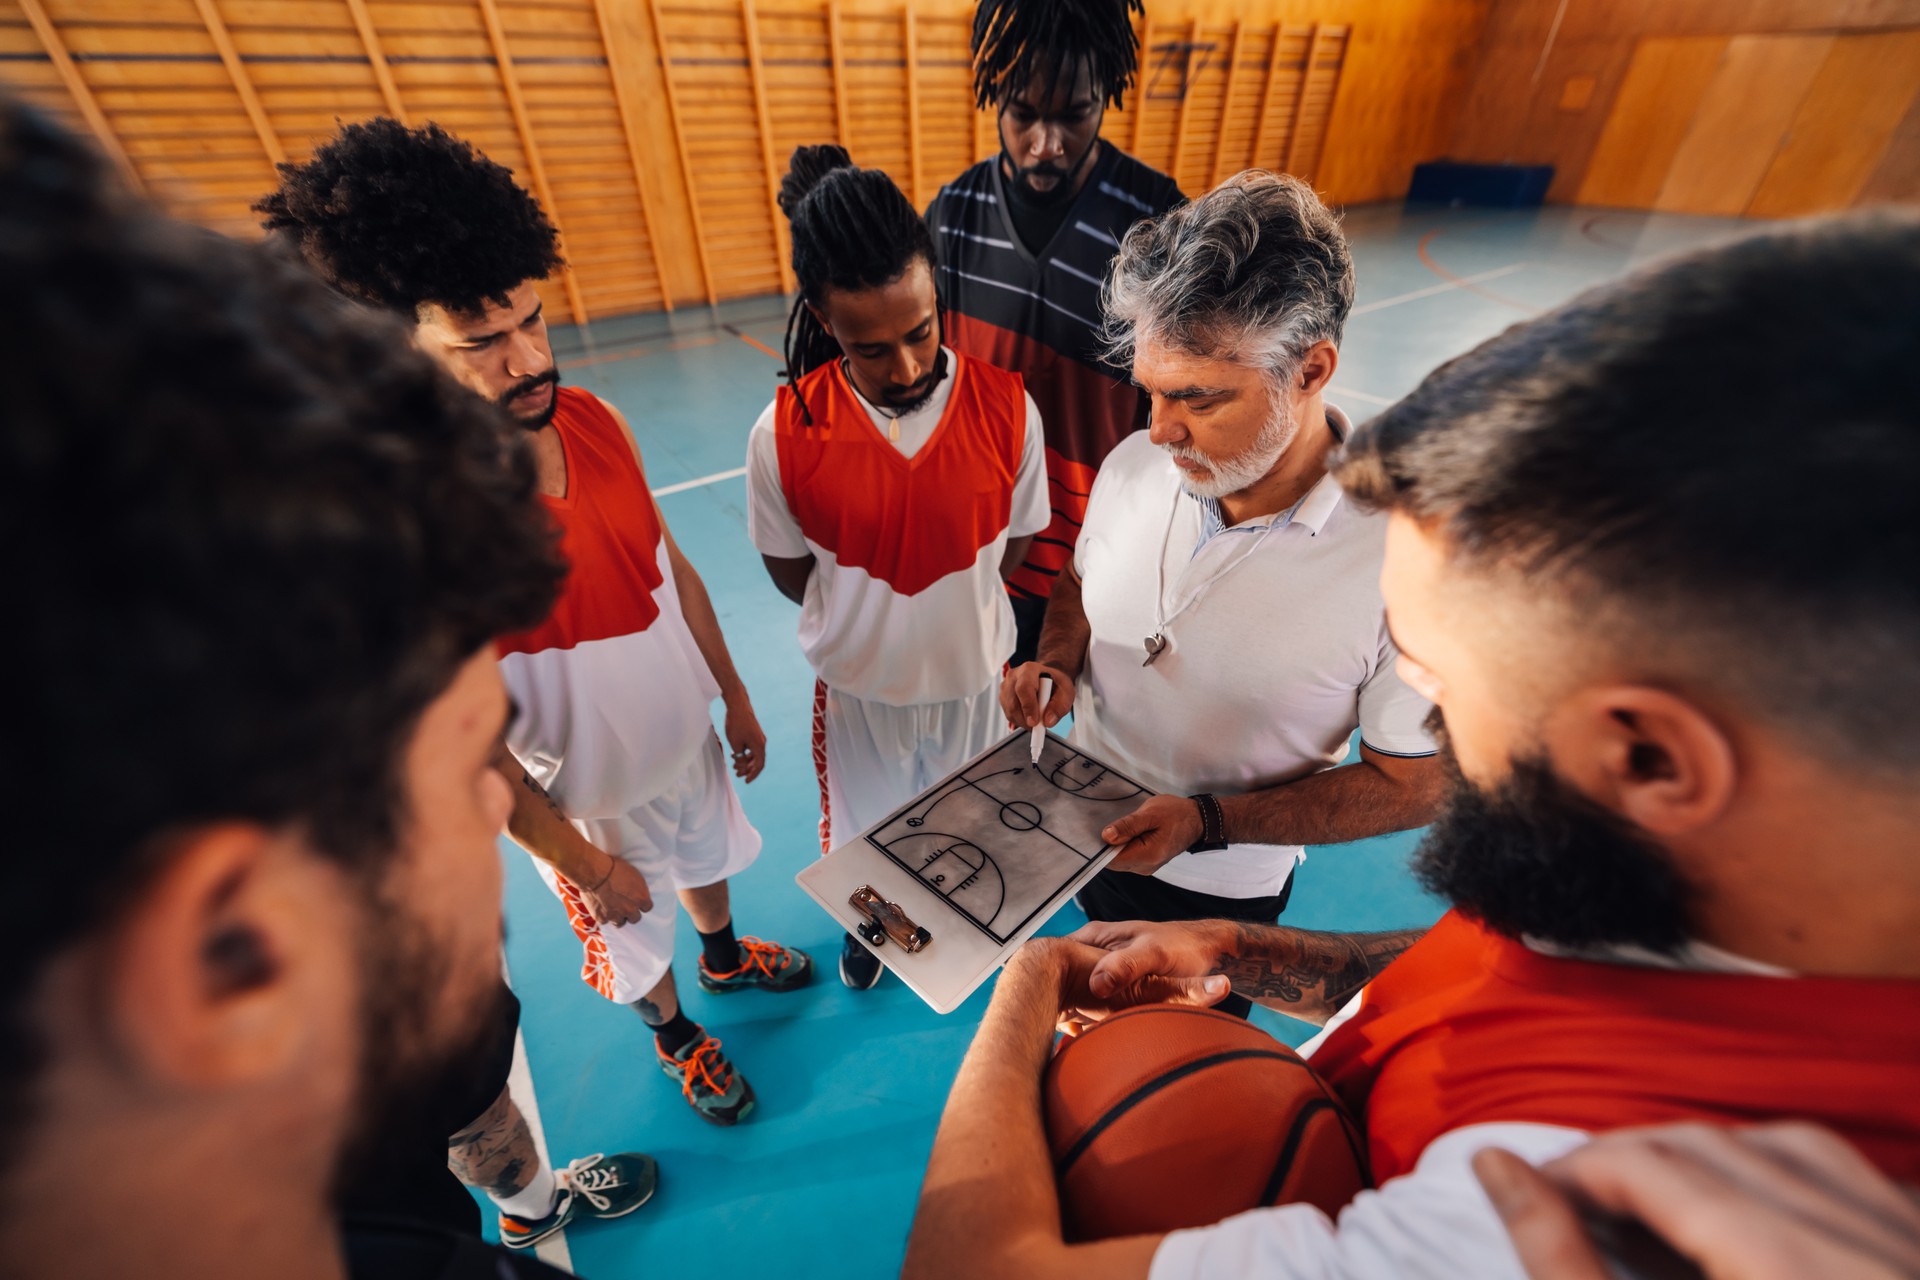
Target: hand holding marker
x=1037 y=739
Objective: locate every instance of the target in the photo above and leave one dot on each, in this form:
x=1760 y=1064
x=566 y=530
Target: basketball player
x=620 y=785
x=890 y=485
x=1219 y=632
x=253 y=895
x=1024 y=239
x=1677 y=668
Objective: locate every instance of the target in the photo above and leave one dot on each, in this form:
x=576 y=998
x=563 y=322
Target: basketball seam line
x=1295 y=1136
x=1152 y=1087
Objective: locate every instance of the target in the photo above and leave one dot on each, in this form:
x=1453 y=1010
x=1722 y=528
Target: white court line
x=1432 y=289
x=1348 y=393
x=553 y=1250
x=684 y=485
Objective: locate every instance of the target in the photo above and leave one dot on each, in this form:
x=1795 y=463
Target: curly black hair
x=253 y=533
x=1016 y=40
x=398 y=217
x=852 y=229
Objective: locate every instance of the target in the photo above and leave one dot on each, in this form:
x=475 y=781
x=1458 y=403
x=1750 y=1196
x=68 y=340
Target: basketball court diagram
x=1003 y=839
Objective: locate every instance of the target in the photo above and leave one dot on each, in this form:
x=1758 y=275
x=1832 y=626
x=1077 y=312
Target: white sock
x=533 y=1201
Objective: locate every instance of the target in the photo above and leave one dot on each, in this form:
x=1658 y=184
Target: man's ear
x=204 y=976
x=1316 y=369
x=821 y=316
x=1651 y=756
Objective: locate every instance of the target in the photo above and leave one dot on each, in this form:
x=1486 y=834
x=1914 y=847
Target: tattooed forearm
x=495 y=1153
x=510 y=768
x=526 y=780
x=1307 y=974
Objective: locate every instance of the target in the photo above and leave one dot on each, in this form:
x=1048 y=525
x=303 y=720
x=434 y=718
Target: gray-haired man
x=1220 y=634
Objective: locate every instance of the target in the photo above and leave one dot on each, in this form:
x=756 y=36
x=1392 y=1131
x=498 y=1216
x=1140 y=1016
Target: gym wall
x=1772 y=108
x=655 y=131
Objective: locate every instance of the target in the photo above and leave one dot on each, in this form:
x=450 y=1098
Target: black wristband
x=1213 y=825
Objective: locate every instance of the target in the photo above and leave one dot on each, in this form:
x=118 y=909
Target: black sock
x=721 y=949
x=676 y=1033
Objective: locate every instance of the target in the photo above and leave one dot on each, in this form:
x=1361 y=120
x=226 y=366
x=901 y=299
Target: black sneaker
x=859 y=967
x=593 y=1186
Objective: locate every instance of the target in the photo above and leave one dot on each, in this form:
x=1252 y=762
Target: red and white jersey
x=905 y=605
x=612 y=690
x=1472 y=1039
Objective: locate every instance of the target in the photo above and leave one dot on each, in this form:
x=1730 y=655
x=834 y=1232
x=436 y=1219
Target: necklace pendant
x=1155 y=646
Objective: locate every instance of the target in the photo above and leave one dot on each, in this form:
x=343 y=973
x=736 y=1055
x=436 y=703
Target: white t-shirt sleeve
x=1104 y=480
x=770 y=525
x=1434 y=1223
x=1392 y=716
x=1032 y=509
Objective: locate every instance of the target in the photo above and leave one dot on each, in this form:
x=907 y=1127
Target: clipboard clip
x=883 y=920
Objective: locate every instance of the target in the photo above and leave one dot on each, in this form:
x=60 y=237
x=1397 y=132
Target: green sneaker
x=762 y=964
x=711 y=1085
x=594 y=1186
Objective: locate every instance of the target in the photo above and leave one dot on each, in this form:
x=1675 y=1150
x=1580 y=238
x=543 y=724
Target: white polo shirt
x=1277 y=649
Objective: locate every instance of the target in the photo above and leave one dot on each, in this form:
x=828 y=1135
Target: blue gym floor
x=821 y=1179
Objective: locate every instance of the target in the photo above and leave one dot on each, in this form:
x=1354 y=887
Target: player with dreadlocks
x=890 y=484
x=1024 y=240
x=613 y=689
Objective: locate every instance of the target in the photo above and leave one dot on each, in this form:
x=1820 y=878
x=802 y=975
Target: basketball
x=1163 y=1117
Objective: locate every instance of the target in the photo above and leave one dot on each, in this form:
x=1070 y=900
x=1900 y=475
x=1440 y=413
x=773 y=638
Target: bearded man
x=1220 y=634
x=619 y=783
x=253 y=910
x=1677 y=669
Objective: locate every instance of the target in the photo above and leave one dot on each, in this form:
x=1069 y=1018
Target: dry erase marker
x=1038 y=739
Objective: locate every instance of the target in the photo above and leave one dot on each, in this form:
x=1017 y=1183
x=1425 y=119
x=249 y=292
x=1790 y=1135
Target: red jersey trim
x=1469 y=1027
x=908 y=522
x=610 y=534
x=1085 y=413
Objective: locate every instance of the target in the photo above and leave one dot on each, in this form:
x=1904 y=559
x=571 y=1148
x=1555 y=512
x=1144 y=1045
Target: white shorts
x=873 y=757
x=696 y=834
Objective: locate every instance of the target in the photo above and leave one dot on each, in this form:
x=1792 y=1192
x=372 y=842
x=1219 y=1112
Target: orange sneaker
x=767 y=965
x=711 y=1085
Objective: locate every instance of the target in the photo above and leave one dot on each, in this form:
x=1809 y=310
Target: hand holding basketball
x=1081 y=1007
x=1137 y=951
x=1163 y=1118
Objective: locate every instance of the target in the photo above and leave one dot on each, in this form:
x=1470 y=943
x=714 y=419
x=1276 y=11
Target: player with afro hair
x=401 y=217
x=416 y=221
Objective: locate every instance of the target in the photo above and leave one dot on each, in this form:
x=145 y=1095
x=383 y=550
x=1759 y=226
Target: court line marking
x=1426 y=260
x=1446 y=286
x=553 y=1250
x=1348 y=393
x=684 y=485
x=753 y=342
x=634 y=353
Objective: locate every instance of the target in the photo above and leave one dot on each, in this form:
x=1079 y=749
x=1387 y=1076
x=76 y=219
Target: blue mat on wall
x=1499 y=186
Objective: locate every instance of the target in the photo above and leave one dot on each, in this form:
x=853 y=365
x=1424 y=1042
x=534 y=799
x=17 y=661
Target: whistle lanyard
x=1156 y=644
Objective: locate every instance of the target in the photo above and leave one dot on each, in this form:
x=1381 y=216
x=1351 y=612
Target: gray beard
x=1245 y=469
